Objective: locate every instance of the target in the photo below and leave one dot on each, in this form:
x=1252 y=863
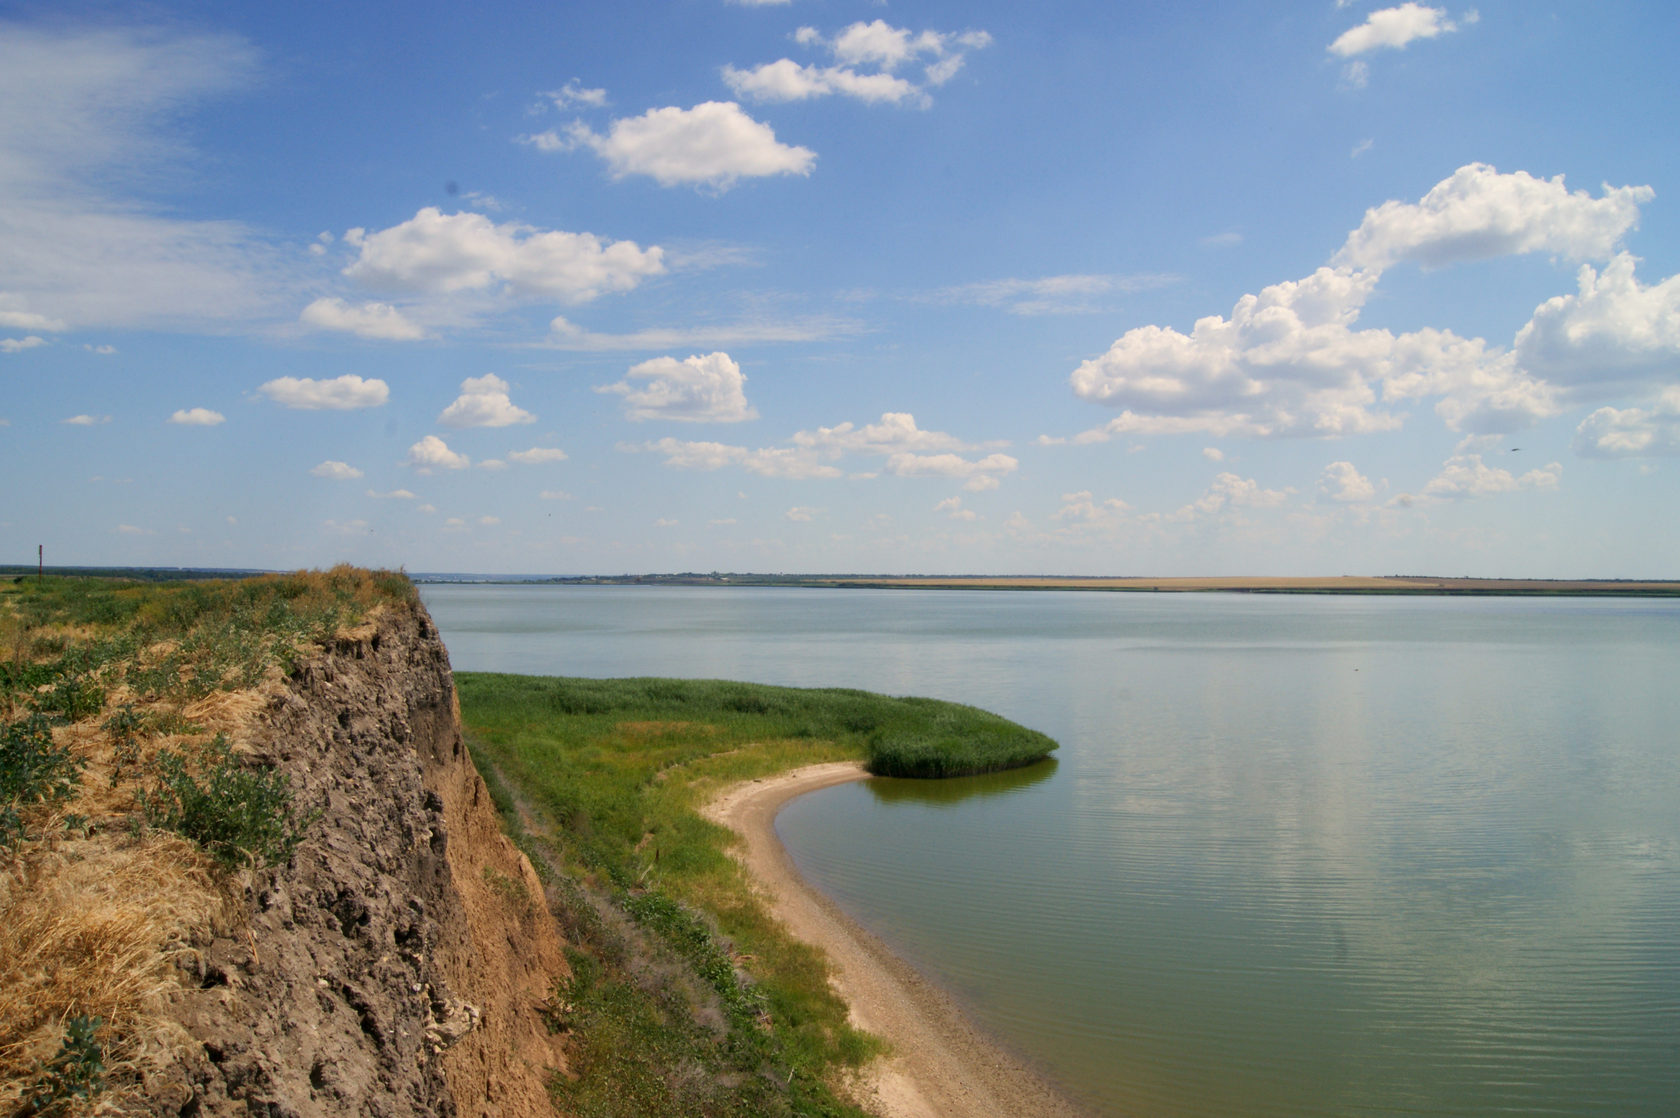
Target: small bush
x=76 y=1072
x=33 y=770
x=124 y=728
x=71 y=699
x=238 y=815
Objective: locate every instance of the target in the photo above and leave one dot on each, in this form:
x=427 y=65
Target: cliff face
x=398 y=965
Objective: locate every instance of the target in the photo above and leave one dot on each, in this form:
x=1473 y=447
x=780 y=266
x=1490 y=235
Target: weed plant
x=240 y=816
x=686 y=997
x=75 y=1073
x=35 y=772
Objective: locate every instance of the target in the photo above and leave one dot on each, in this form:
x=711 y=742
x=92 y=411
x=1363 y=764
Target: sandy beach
x=940 y=1066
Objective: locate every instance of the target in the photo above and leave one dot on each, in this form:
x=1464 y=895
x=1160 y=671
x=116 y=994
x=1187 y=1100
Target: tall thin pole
x=40 y=561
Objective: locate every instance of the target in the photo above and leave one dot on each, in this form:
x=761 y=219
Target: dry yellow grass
x=94 y=927
x=94 y=922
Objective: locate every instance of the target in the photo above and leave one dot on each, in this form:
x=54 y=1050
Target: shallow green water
x=1298 y=856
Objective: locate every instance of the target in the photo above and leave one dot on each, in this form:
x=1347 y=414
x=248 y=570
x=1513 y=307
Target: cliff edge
x=400 y=962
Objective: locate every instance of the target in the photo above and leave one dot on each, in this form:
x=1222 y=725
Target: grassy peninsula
x=687 y=999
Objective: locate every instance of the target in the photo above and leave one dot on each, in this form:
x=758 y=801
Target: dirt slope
x=399 y=964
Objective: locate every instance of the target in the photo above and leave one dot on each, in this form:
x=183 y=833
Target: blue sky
x=820 y=285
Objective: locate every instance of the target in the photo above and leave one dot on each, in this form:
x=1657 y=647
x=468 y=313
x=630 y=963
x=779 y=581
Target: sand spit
x=940 y=1065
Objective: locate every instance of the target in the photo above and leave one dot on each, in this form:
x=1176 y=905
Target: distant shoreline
x=1415 y=585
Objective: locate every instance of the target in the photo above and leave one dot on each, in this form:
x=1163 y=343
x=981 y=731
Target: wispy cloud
x=566 y=335
x=1068 y=294
x=86 y=112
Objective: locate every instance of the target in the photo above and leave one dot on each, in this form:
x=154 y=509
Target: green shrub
x=71 y=699
x=239 y=815
x=77 y=1071
x=33 y=770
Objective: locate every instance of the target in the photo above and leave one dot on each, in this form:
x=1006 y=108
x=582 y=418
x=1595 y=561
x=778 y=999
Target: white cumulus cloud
x=432 y=453
x=484 y=402
x=977 y=474
x=1466 y=475
x=709 y=389
x=574 y=93
x=345 y=393
x=787 y=80
x=907 y=451
x=366 y=320
x=198 y=417
x=538 y=455
x=781 y=462
x=713 y=144
x=1632 y=432
x=1291 y=361
x=1615 y=332
x=895 y=433
x=953 y=508
x=1230 y=489
x=1479 y=213
x=438 y=253
x=27 y=320
x=1285 y=363
x=1393 y=28
x=337 y=471
x=1341 y=481
x=18 y=345
x=1082 y=507
x=866 y=56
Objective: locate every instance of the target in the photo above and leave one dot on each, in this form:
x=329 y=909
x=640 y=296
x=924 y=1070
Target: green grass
x=66 y=642
x=686 y=998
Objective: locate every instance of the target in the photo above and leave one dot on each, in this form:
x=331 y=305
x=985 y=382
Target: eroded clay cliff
x=399 y=964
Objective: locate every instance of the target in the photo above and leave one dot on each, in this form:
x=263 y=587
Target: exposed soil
x=399 y=964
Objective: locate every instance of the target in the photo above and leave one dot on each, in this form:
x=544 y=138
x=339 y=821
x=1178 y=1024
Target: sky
x=1105 y=288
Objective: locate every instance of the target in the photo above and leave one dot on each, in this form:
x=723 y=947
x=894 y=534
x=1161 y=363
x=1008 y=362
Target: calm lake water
x=1298 y=856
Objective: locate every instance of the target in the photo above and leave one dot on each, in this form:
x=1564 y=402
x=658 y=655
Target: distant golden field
x=1341 y=584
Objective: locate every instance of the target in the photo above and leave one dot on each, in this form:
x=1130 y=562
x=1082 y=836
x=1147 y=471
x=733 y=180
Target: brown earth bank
x=939 y=1065
x=399 y=964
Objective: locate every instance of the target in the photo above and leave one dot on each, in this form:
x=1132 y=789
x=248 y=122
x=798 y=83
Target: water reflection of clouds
x=1442 y=821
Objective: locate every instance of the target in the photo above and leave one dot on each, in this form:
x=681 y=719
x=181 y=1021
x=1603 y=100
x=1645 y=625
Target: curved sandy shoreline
x=940 y=1065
